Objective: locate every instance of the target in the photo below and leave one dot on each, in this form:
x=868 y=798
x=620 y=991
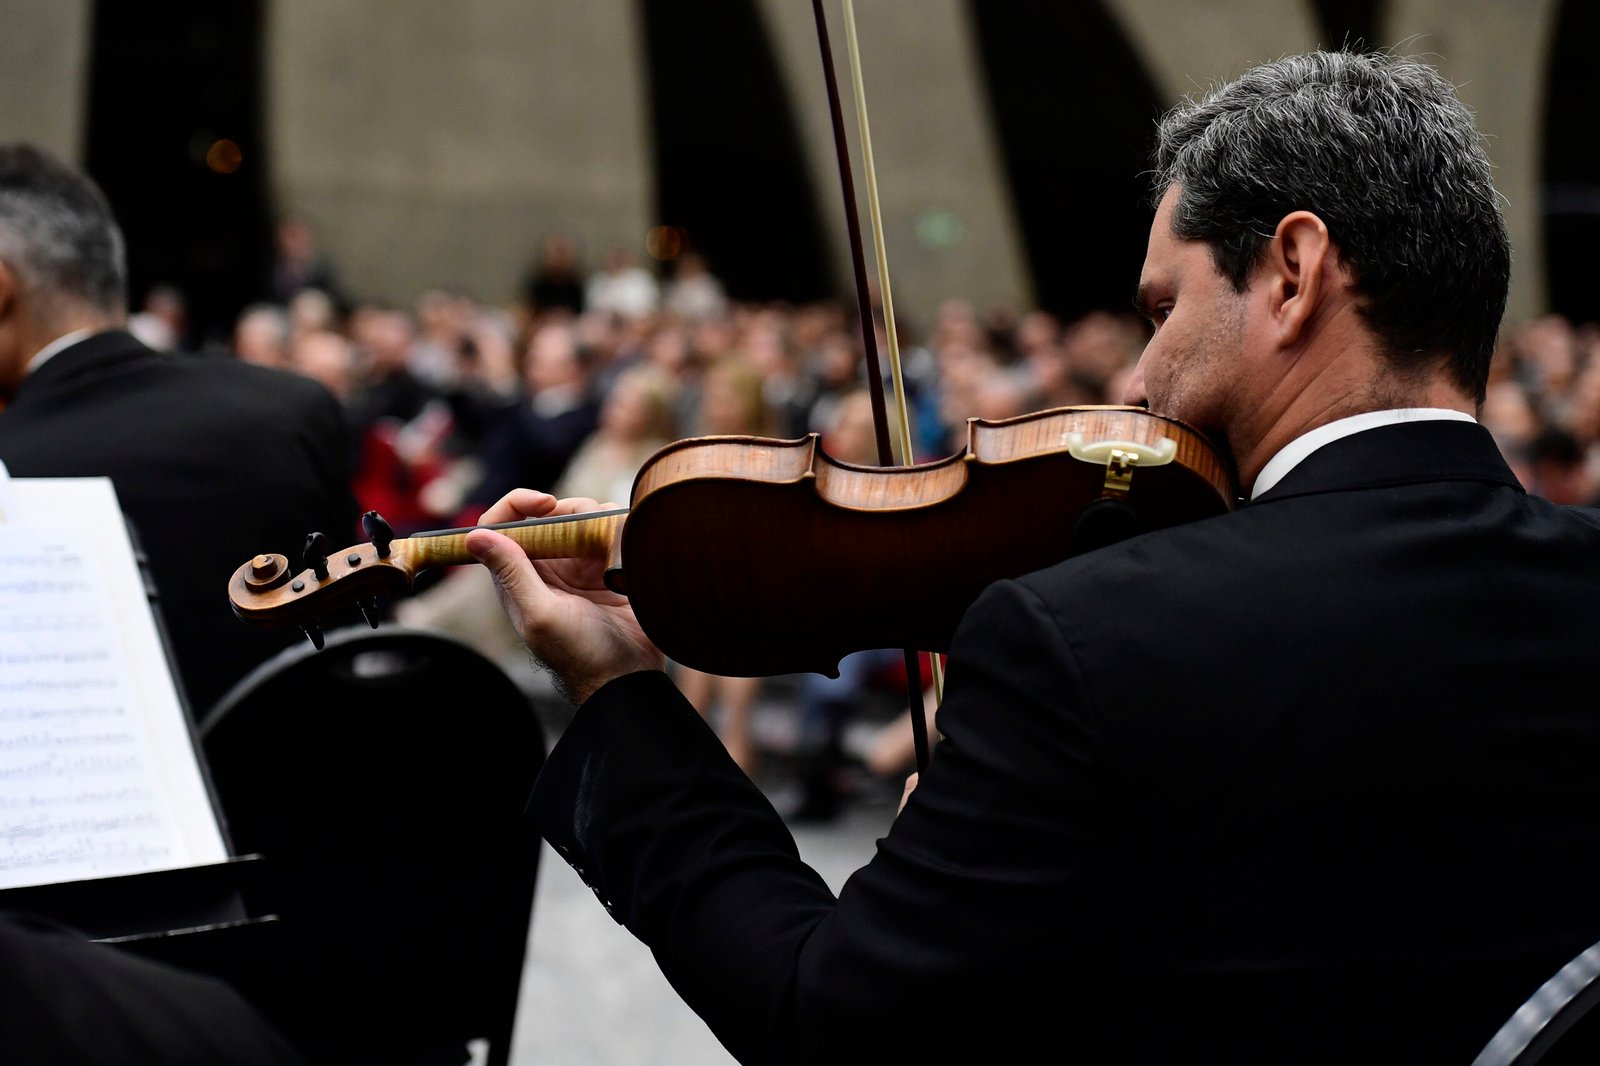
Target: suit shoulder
x=1588 y=515
x=1151 y=560
x=265 y=383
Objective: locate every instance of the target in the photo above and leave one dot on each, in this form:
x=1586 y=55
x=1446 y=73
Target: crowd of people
x=570 y=387
x=1543 y=406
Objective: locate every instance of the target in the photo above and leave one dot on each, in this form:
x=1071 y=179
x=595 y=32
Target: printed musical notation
x=98 y=775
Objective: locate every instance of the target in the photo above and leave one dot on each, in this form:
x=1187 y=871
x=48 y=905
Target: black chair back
x=384 y=779
x=1546 y=1029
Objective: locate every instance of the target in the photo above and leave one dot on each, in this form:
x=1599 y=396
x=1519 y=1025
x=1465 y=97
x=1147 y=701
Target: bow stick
x=869 y=335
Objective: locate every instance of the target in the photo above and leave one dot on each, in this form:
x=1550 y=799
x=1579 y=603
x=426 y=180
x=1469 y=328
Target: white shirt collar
x=43 y=355
x=1293 y=453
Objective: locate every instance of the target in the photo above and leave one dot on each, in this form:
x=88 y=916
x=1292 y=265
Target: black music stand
x=197 y=918
x=212 y=918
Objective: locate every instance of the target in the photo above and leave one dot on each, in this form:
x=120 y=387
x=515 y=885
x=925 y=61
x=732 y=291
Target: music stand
x=209 y=917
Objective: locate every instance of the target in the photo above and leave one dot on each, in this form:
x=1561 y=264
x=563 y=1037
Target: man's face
x=1194 y=366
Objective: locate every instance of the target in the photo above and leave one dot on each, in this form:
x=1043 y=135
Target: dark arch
x=728 y=161
x=167 y=82
x=1076 y=134
x=1571 y=183
x=1349 y=23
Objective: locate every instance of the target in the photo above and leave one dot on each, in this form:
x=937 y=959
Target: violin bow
x=869 y=334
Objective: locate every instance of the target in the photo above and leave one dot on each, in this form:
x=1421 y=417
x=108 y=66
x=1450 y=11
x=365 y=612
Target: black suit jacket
x=214 y=461
x=1308 y=782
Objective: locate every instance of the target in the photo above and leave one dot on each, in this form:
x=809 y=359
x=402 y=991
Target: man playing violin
x=1300 y=783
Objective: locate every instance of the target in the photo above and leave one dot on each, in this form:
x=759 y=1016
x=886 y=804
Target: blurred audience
x=311 y=311
x=635 y=423
x=555 y=283
x=299 y=264
x=622 y=287
x=531 y=442
x=261 y=336
x=326 y=356
x=163 y=322
x=694 y=292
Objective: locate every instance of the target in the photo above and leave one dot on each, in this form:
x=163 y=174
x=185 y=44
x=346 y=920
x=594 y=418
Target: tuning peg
x=379 y=532
x=369 y=611
x=313 y=633
x=316 y=555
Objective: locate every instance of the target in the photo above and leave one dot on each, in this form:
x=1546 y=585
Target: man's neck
x=27 y=339
x=1288 y=432
x=1358 y=382
x=82 y=320
x=1297 y=450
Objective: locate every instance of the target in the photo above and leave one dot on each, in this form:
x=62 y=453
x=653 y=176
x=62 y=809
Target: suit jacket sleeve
x=986 y=893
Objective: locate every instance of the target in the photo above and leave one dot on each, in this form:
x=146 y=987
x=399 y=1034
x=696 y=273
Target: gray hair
x=1378 y=147
x=58 y=235
x=273 y=316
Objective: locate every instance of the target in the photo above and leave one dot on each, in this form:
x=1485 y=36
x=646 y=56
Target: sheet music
x=98 y=773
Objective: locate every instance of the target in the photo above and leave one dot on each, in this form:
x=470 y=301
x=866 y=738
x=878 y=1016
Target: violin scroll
x=264 y=591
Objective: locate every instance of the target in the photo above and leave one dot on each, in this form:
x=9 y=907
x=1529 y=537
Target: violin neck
x=583 y=536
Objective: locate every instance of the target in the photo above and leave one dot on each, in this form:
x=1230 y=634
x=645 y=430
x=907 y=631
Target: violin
x=744 y=556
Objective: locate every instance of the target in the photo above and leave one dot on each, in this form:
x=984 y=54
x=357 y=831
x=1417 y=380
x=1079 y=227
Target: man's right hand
x=582 y=631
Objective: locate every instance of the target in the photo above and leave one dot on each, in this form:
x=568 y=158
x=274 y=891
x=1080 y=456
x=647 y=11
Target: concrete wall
x=1496 y=54
x=435 y=147
x=1494 y=51
x=44 y=77
x=1190 y=45
x=936 y=155
x=435 y=144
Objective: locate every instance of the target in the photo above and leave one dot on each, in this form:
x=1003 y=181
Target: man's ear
x=1299 y=259
x=9 y=283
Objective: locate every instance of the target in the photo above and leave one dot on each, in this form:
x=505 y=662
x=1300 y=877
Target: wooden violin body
x=744 y=556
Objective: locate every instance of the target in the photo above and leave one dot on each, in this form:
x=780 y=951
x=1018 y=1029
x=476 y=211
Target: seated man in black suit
x=1302 y=783
x=214 y=460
